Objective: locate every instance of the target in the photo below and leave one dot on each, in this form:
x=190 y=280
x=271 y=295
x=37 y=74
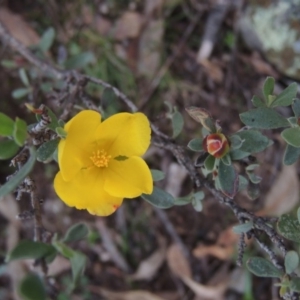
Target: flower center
x=100 y=158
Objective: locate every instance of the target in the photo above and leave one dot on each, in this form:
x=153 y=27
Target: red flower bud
x=216 y=144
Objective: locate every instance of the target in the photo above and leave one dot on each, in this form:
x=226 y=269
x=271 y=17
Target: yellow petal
x=128 y=178
x=74 y=151
x=125 y=134
x=85 y=191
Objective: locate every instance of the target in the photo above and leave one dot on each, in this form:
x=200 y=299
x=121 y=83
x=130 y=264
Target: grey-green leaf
x=243 y=228
x=209 y=163
x=228 y=179
x=20 y=131
x=296 y=107
x=23 y=76
x=295 y=284
x=47 y=39
x=289 y=227
x=257 y=102
x=235 y=142
x=177 y=123
x=268 y=87
x=46 y=150
x=32 y=288
x=292 y=136
x=196 y=145
x=80 y=60
x=20 y=176
x=30 y=250
x=157 y=175
x=238 y=154
x=8 y=149
x=263 y=118
x=20 y=93
x=76 y=232
x=263 y=268
x=291 y=155
x=6 y=125
x=291 y=261
x=285 y=98
x=159 y=198
x=253 y=141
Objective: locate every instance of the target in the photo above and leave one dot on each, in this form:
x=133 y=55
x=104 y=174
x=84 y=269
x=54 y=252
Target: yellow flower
x=100 y=163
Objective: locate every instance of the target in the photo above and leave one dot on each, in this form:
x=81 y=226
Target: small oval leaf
x=20 y=132
x=32 y=288
x=289 y=227
x=291 y=261
x=157 y=175
x=228 y=179
x=243 y=228
x=291 y=155
x=285 y=98
x=292 y=136
x=263 y=118
x=30 y=250
x=6 y=125
x=8 y=149
x=263 y=268
x=76 y=232
x=195 y=145
x=46 y=150
x=177 y=123
x=159 y=198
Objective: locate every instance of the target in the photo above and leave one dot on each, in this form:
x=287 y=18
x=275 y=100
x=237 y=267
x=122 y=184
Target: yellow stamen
x=100 y=158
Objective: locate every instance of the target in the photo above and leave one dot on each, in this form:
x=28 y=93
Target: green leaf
x=243 y=228
x=195 y=145
x=77 y=259
x=243 y=183
x=253 y=177
x=20 y=93
x=291 y=261
x=289 y=227
x=20 y=176
x=237 y=154
x=263 y=268
x=177 y=123
x=6 y=125
x=295 y=284
x=285 y=98
x=268 y=87
x=226 y=159
x=263 y=118
x=47 y=40
x=32 y=288
x=209 y=163
x=298 y=214
x=292 y=136
x=296 y=107
x=30 y=250
x=183 y=200
x=63 y=134
x=291 y=155
x=20 y=132
x=252 y=141
x=46 y=150
x=293 y=121
x=235 y=142
x=8 y=149
x=79 y=61
x=199 y=195
x=23 y=76
x=157 y=175
x=197 y=204
x=257 y=102
x=159 y=198
x=229 y=180
x=76 y=232
x=253 y=191
x=9 y=64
